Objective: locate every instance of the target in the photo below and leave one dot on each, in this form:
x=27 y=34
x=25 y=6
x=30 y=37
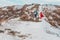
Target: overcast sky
x=22 y=2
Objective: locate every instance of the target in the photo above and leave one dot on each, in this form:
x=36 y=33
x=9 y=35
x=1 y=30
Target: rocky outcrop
x=26 y=12
x=53 y=17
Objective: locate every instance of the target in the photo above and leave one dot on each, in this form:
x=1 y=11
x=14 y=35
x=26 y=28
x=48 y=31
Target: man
x=35 y=13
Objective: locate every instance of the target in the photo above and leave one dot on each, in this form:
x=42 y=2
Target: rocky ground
x=24 y=30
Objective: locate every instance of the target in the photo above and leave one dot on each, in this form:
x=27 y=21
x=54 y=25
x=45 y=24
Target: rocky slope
x=27 y=13
x=52 y=14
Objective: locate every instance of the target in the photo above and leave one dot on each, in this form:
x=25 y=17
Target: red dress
x=41 y=15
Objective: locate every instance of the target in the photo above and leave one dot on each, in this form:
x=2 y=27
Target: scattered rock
x=1 y=31
x=7 y=29
x=12 y=33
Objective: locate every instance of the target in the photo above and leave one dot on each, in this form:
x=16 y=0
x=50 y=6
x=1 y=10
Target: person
x=41 y=15
x=35 y=13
